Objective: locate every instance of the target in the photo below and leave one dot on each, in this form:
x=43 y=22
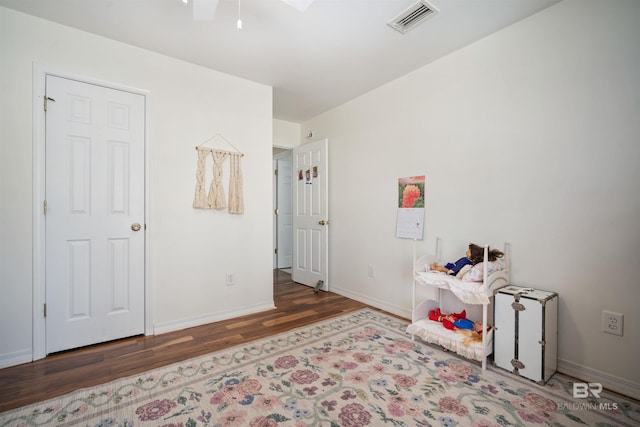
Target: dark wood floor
x=297 y=305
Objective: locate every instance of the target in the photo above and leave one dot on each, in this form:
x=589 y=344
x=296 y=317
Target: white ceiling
x=315 y=60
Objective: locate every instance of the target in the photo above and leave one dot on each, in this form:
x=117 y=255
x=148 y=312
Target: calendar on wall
x=410 y=220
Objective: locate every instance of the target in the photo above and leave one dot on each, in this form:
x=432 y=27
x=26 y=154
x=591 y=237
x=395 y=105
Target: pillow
x=463 y=271
x=476 y=272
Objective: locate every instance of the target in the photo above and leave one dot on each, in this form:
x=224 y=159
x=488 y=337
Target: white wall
x=531 y=136
x=191 y=250
x=285 y=134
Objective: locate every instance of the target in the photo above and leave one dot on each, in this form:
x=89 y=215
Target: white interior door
x=285 y=215
x=310 y=214
x=94 y=223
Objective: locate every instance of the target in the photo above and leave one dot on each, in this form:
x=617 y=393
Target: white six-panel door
x=94 y=222
x=310 y=216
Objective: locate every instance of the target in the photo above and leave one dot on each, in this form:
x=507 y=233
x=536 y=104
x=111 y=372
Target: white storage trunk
x=526 y=332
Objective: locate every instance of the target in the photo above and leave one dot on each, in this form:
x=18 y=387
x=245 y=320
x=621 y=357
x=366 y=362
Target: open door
x=283 y=212
x=310 y=214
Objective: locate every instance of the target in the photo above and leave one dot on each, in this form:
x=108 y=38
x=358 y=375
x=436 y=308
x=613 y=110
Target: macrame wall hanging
x=215 y=198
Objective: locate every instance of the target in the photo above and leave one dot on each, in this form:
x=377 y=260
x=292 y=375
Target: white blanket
x=468 y=292
x=434 y=332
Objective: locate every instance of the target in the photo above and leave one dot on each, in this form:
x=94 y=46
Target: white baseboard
x=15 y=358
x=210 y=318
x=382 y=305
x=610 y=382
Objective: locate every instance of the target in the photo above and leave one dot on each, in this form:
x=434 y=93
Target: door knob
x=323 y=222
x=135 y=226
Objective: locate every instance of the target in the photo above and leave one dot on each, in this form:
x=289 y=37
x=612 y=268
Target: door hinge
x=45 y=309
x=276 y=211
x=275 y=171
x=275 y=251
x=46 y=100
x=44 y=207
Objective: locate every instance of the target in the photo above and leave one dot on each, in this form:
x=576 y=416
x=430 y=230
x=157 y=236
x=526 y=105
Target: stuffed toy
x=451 y=321
x=473 y=255
x=458 y=322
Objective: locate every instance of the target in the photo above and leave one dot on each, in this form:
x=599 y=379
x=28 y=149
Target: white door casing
x=95 y=193
x=310 y=214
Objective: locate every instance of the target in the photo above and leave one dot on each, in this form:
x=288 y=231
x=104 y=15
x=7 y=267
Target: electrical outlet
x=372 y=271
x=231 y=279
x=612 y=323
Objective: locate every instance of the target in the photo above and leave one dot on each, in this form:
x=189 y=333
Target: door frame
x=40 y=71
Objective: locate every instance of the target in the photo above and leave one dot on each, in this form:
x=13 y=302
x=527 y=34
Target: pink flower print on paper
x=410 y=194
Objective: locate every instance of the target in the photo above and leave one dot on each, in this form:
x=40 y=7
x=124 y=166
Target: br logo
x=582 y=390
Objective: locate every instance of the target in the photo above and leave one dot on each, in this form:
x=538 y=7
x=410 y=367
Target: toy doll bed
x=476 y=286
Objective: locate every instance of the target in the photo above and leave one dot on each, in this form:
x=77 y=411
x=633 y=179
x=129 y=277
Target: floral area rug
x=360 y=369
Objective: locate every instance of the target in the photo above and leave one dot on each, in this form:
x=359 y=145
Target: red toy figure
x=455 y=321
x=448 y=320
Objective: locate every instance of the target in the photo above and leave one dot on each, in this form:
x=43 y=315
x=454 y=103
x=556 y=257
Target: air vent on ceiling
x=411 y=17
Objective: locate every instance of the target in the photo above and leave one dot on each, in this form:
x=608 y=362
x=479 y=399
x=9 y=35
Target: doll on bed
x=473 y=255
x=458 y=322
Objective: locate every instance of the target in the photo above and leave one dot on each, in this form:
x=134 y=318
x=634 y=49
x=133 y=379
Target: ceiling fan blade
x=204 y=10
x=300 y=5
